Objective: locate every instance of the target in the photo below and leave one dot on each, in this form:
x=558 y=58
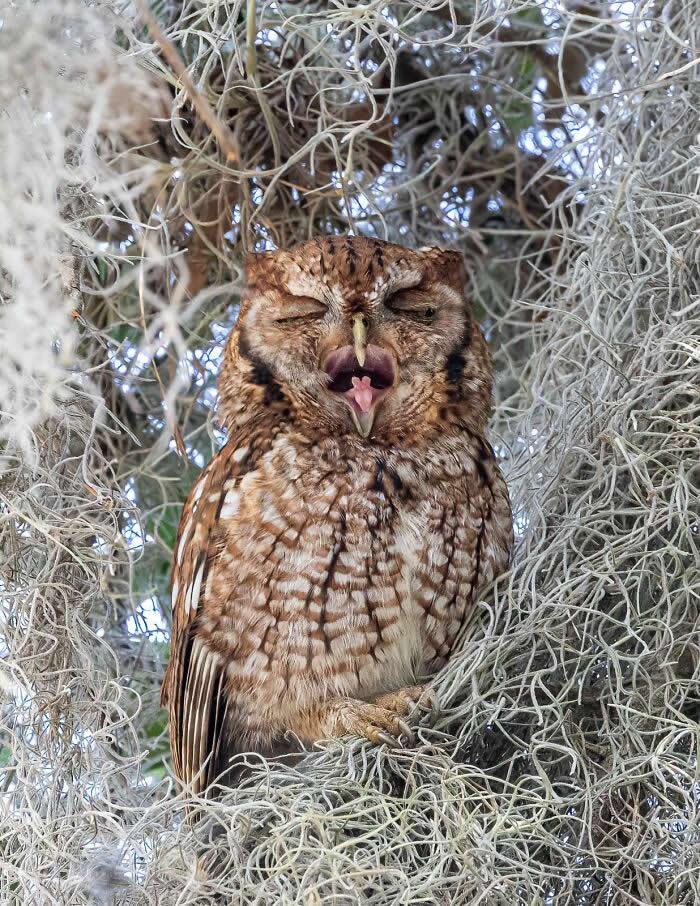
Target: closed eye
x=300 y=308
x=413 y=303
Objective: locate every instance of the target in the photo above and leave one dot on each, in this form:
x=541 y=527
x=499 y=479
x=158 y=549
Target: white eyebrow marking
x=393 y=280
x=302 y=283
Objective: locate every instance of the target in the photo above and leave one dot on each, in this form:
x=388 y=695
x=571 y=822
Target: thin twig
x=221 y=132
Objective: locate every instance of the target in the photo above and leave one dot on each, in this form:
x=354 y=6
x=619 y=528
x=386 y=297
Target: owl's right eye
x=300 y=308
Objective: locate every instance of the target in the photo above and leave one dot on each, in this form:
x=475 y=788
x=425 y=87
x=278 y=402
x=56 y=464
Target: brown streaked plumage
x=328 y=554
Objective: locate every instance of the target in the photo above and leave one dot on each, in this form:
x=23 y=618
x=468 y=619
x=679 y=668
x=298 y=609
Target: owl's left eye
x=414 y=304
x=300 y=308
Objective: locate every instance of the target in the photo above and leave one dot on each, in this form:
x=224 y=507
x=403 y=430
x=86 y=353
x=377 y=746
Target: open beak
x=359 y=336
x=360 y=377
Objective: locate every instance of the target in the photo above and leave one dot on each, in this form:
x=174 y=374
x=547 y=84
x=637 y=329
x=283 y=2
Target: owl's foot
x=412 y=701
x=352 y=717
x=380 y=721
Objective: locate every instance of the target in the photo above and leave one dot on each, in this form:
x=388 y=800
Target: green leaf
x=517 y=112
x=517 y=121
x=158 y=726
x=164 y=648
x=101 y=270
x=530 y=14
x=164 y=523
x=157 y=771
x=122 y=332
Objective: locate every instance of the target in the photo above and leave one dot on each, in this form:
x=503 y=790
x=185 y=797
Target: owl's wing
x=194 y=684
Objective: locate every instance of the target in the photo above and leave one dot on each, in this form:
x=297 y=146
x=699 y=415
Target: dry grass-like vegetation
x=556 y=146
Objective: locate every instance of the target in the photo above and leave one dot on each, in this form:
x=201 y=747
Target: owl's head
x=354 y=336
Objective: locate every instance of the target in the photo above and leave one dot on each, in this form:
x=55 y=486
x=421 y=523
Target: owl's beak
x=363 y=421
x=359 y=336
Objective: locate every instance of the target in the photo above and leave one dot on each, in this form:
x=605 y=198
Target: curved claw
x=381 y=736
x=406 y=731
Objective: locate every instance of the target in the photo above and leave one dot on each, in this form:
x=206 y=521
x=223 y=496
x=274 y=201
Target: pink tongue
x=361 y=392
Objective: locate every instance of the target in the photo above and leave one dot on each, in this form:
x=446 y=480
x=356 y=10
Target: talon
x=406 y=731
x=381 y=736
x=430 y=702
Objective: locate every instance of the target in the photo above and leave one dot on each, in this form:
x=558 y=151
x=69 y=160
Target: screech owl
x=328 y=554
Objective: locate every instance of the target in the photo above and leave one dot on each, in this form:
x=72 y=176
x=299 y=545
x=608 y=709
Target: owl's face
x=354 y=336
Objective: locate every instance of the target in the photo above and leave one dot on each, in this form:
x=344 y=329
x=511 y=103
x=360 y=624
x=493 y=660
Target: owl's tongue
x=361 y=392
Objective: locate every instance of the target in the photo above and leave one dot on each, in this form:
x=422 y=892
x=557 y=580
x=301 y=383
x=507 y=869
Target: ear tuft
x=252 y=262
x=257 y=265
x=449 y=267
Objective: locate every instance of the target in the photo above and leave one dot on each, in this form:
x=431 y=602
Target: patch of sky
x=263 y=240
x=456 y=208
x=147 y=619
x=133 y=532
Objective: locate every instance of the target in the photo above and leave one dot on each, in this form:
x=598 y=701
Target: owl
x=329 y=553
